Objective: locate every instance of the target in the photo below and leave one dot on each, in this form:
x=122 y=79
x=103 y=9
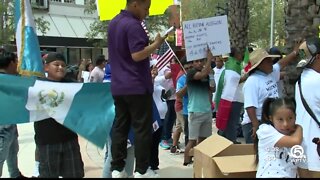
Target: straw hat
x=257 y=56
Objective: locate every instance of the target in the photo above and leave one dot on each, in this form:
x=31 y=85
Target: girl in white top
x=278 y=140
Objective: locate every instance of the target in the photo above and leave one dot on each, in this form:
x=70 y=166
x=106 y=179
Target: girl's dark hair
x=87 y=66
x=269 y=107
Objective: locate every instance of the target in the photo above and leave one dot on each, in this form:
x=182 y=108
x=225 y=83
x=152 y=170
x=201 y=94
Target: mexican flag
x=85 y=108
x=227 y=86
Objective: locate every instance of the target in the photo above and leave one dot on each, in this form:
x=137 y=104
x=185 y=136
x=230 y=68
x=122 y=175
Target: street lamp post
x=272 y=24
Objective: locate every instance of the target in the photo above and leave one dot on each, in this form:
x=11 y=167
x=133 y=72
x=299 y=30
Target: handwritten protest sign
x=212 y=31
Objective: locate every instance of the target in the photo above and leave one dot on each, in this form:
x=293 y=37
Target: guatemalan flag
x=85 y=108
x=28 y=49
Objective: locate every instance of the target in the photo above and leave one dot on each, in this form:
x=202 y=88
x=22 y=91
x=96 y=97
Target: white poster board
x=200 y=32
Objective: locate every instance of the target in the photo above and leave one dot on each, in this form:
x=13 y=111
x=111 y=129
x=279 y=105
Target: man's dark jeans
x=135 y=110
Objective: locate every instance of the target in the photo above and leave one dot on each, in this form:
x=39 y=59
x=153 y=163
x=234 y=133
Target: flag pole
x=174 y=54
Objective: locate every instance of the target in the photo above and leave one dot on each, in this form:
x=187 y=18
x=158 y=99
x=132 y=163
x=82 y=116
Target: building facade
x=67 y=29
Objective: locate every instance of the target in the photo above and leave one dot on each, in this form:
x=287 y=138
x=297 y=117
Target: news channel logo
x=297 y=154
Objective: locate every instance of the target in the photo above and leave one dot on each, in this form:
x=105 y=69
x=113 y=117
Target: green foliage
x=42 y=25
x=260 y=22
x=6 y=22
x=7 y=29
x=198 y=9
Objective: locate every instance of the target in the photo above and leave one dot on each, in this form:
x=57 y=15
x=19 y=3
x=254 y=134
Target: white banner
x=200 y=32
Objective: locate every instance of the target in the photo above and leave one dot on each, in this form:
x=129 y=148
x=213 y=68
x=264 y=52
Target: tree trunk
x=238 y=17
x=3 y=22
x=302 y=21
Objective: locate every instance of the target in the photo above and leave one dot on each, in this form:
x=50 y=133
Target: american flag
x=165 y=55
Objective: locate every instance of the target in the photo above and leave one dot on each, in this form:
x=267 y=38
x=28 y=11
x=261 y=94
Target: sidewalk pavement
x=93 y=157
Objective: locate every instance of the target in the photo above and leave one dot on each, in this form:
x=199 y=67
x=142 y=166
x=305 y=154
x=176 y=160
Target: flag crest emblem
x=50 y=99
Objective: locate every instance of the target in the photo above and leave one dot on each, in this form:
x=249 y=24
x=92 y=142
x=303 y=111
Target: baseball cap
x=308 y=50
x=54 y=56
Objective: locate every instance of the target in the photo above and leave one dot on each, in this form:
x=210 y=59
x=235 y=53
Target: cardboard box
x=217 y=157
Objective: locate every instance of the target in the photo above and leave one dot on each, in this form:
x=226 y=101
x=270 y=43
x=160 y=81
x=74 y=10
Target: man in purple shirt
x=131 y=86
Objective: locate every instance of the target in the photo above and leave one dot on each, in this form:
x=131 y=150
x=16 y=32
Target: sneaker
x=188 y=164
x=118 y=174
x=236 y=142
x=164 y=145
x=149 y=174
x=176 y=150
x=170 y=141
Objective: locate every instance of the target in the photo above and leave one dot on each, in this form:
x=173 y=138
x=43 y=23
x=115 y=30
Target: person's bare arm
x=290 y=57
x=290 y=140
x=207 y=67
x=182 y=91
x=254 y=120
x=243 y=78
x=143 y=54
x=168 y=74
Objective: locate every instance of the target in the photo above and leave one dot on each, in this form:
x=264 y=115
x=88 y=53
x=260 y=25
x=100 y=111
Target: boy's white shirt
x=310 y=80
x=85 y=75
x=157 y=86
x=274 y=162
x=167 y=84
x=257 y=88
x=97 y=74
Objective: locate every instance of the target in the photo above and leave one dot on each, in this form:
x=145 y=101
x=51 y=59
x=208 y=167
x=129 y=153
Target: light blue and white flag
x=28 y=49
x=85 y=108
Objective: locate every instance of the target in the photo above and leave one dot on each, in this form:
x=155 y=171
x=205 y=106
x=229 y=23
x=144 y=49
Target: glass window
x=70 y=1
x=86 y=53
x=40 y=3
x=56 y=0
x=96 y=52
x=74 y=56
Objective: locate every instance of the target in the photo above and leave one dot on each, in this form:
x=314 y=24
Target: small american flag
x=165 y=55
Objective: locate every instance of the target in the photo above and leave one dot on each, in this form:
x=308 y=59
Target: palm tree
x=301 y=21
x=238 y=17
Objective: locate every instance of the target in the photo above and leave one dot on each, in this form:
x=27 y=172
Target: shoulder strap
x=306 y=105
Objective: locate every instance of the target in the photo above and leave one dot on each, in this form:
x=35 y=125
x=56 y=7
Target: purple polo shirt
x=127 y=36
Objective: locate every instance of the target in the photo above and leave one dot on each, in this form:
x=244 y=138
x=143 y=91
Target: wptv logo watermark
x=297 y=154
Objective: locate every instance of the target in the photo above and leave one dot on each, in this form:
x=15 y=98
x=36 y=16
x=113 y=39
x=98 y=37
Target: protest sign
x=208 y=31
